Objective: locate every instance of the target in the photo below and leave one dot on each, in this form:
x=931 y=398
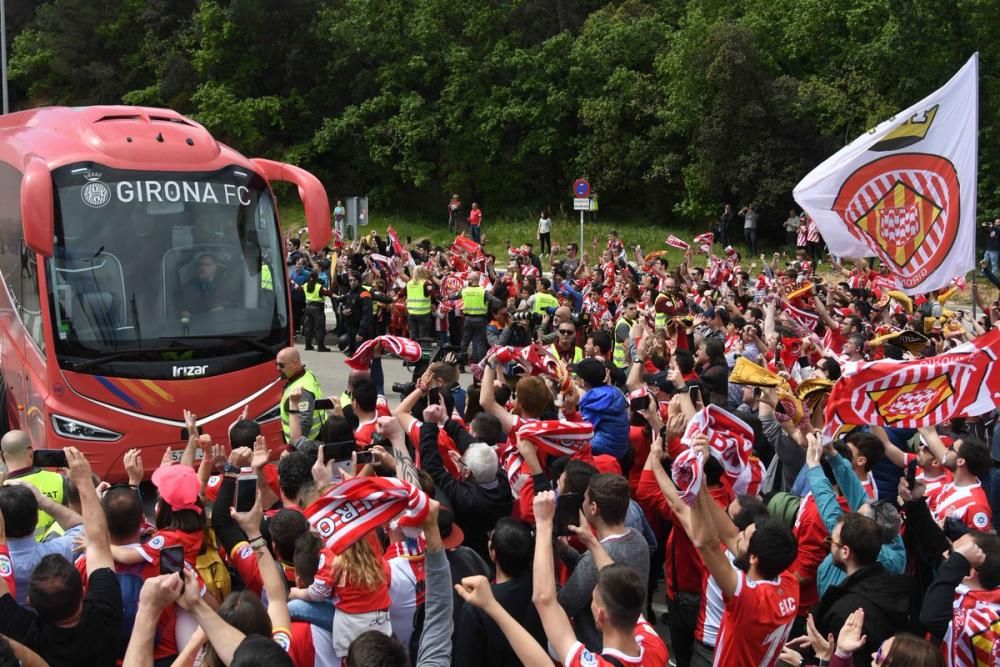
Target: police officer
x=356 y=310
x=418 y=305
x=622 y=331
x=18 y=456
x=475 y=305
x=297 y=376
x=565 y=347
x=314 y=318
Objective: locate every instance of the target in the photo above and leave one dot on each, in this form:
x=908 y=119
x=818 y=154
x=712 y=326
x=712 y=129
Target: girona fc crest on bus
x=912 y=401
x=909 y=205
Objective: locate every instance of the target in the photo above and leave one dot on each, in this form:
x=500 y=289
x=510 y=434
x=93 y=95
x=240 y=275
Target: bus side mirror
x=38 y=207
x=311 y=191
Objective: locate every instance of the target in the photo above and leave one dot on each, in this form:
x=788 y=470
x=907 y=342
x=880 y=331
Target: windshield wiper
x=97 y=361
x=254 y=342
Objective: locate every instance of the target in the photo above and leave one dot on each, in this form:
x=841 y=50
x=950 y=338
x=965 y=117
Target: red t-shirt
x=757 y=620
x=348 y=597
x=475 y=217
x=652 y=651
x=445 y=445
x=810 y=534
x=150 y=551
x=639 y=438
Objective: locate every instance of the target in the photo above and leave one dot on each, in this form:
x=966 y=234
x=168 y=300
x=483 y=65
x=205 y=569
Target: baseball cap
x=178 y=487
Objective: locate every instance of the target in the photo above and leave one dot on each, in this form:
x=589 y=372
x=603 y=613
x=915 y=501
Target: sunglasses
x=566 y=332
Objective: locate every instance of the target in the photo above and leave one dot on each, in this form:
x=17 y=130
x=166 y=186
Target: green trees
x=669 y=107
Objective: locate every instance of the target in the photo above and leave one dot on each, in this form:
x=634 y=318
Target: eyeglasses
x=878 y=656
x=566 y=332
x=829 y=540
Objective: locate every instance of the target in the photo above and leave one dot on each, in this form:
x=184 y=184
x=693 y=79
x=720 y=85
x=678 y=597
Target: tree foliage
x=669 y=107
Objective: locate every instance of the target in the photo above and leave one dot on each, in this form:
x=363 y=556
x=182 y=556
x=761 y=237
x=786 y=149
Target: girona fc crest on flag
x=925 y=392
x=909 y=206
x=912 y=401
x=905 y=191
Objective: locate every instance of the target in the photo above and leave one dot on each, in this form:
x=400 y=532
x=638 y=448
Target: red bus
x=144 y=274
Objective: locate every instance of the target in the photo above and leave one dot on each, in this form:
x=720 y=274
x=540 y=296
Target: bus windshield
x=164 y=266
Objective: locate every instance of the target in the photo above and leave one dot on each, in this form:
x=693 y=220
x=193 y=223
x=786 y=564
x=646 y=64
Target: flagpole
x=975 y=235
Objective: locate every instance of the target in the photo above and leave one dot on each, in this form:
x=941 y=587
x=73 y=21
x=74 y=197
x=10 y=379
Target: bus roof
x=122 y=137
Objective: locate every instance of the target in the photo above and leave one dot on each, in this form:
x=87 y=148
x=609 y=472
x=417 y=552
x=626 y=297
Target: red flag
x=465 y=244
x=404 y=348
x=924 y=392
x=730 y=439
x=558 y=436
x=397 y=247
x=353 y=508
x=677 y=243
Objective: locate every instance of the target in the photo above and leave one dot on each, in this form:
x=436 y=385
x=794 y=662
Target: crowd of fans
x=628 y=424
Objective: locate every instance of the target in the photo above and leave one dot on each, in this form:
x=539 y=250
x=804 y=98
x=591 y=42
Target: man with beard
x=854 y=546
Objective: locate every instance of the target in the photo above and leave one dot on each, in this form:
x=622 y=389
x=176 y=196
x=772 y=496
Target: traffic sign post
x=581 y=201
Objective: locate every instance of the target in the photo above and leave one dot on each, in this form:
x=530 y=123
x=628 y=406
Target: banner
x=730 y=439
x=925 y=392
x=905 y=191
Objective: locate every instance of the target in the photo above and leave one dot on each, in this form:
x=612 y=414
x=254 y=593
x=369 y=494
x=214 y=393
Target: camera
x=580 y=320
x=526 y=316
x=404 y=389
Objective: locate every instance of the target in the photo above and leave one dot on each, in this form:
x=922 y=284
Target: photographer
x=517 y=333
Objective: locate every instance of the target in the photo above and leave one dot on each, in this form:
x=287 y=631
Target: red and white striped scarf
x=404 y=348
x=803 y=318
x=355 y=507
x=677 y=243
x=538 y=359
x=730 y=439
x=973 y=636
x=558 y=437
x=688 y=474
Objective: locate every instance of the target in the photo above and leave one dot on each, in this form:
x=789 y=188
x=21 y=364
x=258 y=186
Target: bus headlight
x=78 y=430
x=270 y=415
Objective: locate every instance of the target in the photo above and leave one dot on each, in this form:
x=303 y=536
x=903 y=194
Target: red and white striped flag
x=973 y=636
x=355 y=507
x=730 y=439
x=924 y=392
x=803 y=318
x=538 y=359
x=404 y=348
x=558 y=437
x=688 y=473
x=677 y=243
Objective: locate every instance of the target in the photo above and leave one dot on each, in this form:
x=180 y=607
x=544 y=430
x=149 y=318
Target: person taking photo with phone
x=19 y=459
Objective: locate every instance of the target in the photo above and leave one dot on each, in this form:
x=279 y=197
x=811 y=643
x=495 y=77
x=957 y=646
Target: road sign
x=581 y=204
x=581 y=188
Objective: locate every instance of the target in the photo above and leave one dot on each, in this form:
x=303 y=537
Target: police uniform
x=312 y=421
x=314 y=319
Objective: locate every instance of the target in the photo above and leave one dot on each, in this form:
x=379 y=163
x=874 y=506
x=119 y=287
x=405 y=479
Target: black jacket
x=884 y=597
x=476 y=507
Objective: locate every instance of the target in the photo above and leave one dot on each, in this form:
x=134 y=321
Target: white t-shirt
x=544 y=225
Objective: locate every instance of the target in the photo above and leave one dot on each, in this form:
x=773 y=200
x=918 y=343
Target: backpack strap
x=613 y=660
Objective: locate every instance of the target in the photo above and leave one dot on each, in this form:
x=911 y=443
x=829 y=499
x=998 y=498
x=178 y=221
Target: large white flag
x=905 y=191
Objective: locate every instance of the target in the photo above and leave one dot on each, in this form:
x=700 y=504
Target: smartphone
x=172 y=560
x=338 y=451
x=323 y=404
x=639 y=404
x=365 y=457
x=49 y=458
x=433 y=396
x=694 y=391
x=185 y=435
x=568 y=512
x=246 y=492
x=911 y=474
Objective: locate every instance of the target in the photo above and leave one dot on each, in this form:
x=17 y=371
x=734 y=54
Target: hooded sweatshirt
x=606 y=408
x=884 y=597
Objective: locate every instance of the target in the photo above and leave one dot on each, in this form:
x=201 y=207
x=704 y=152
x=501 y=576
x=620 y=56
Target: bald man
x=18 y=457
x=298 y=377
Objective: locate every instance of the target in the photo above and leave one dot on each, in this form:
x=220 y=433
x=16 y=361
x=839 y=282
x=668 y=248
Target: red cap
x=178 y=486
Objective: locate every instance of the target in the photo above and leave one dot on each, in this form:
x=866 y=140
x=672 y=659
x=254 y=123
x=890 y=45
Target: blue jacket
x=607 y=409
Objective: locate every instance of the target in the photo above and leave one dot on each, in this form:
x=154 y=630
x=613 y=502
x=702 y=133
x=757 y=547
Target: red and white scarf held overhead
x=404 y=348
x=353 y=508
